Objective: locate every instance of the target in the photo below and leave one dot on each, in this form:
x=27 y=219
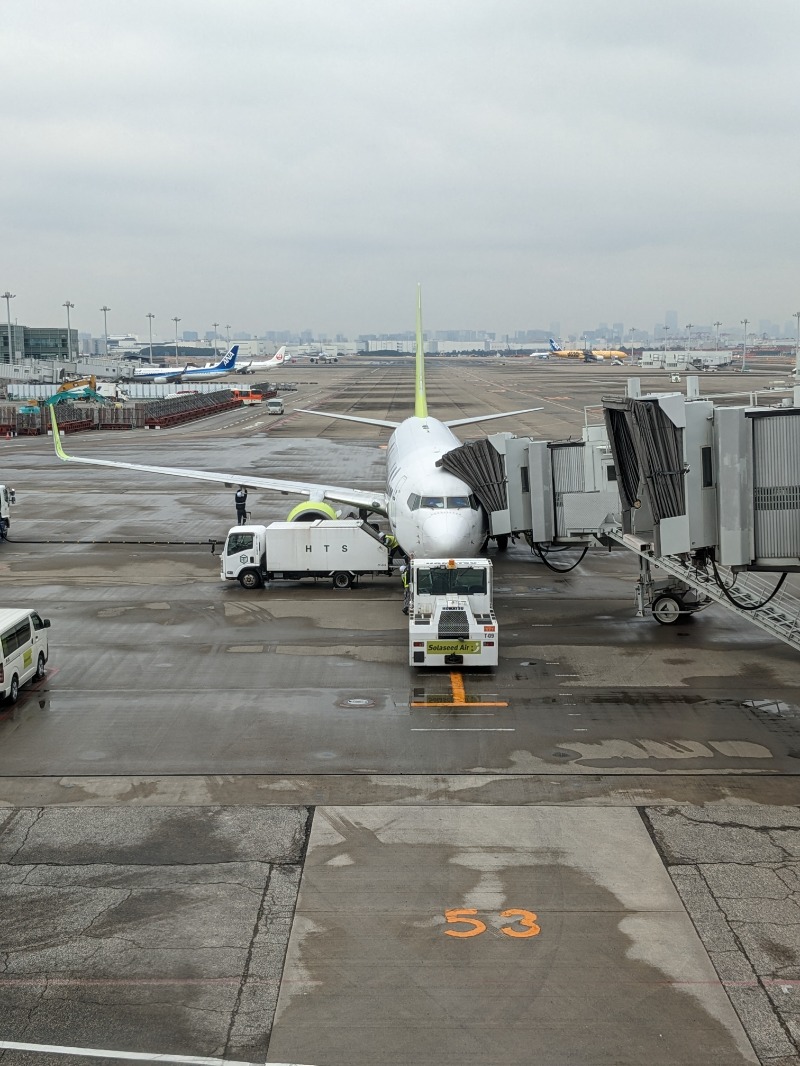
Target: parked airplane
x=432 y=513
x=280 y=358
x=588 y=355
x=162 y=375
x=554 y=350
x=158 y=375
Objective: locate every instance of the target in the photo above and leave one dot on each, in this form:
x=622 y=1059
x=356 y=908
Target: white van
x=275 y=407
x=24 y=649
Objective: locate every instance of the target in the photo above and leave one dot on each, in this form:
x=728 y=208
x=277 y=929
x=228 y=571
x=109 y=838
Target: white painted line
x=456 y=729
x=568 y=675
x=138 y=1056
x=541 y=625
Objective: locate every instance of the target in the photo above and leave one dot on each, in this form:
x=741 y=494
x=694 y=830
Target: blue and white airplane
x=554 y=349
x=163 y=375
x=432 y=513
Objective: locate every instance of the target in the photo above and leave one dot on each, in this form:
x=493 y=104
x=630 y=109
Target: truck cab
x=275 y=406
x=451 y=619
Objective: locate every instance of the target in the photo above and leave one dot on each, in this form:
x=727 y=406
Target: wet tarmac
x=234 y=823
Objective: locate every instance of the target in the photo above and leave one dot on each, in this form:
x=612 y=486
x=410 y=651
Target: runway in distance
x=280 y=358
x=210 y=372
x=432 y=513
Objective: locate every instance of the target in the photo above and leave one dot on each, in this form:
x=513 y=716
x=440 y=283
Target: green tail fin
x=420 y=399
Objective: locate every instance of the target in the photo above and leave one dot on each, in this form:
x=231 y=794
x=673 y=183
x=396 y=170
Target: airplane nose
x=448 y=534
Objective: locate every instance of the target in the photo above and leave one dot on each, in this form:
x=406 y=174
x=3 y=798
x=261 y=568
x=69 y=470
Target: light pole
x=689 y=336
x=176 y=320
x=8 y=297
x=67 y=304
x=716 y=327
x=105 y=311
x=215 y=324
x=797 y=349
x=228 y=336
x=744 y=343
x=633 y=338
x=151 y=316
x=666 y=328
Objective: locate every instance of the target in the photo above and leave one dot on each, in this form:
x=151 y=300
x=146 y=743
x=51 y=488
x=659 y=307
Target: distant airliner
x=555 y=349
x=210 y=372
x=280 y=358
x=432 y=513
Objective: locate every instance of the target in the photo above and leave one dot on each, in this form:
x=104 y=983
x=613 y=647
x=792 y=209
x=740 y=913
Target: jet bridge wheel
x=668 y=610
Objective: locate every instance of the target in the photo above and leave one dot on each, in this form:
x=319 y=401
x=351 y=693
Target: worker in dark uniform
x=241 y=505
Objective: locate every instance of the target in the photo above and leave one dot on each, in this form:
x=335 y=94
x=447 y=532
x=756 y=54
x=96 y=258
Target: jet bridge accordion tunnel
x=723 y=482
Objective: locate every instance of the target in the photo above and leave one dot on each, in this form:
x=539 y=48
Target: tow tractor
x=450 y=617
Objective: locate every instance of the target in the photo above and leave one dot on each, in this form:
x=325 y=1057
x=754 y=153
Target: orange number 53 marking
x=461 y=916
x=527 y=919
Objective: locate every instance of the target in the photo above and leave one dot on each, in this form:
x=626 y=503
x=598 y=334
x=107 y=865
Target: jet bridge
x=708 y=495
x=551 y=492
x=723 y=482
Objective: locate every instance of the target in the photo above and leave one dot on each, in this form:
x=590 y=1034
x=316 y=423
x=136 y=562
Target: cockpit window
x=458 y=501
x=433 y=501
x=413 y=502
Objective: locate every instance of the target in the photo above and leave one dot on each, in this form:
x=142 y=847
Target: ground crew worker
x=241 y=505
x=404 y=577
x=390 y=540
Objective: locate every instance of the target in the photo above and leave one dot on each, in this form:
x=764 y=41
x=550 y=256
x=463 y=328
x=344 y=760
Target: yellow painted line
x=458 y=697
x=457 y=685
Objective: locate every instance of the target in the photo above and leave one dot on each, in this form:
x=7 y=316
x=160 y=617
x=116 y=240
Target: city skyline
x=308 y=164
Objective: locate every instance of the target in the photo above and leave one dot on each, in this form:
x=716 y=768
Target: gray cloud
x=303 y=165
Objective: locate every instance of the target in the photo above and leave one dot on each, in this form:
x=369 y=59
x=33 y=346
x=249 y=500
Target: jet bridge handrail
x=779 y=615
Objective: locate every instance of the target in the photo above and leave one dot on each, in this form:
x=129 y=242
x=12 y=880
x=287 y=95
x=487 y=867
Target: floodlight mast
x=8 y=297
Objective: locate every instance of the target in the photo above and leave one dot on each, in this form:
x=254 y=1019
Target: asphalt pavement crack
x=39 y=815
x=248 y=963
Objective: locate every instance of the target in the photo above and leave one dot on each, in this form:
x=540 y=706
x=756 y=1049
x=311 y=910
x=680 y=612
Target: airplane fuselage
x=432 y=513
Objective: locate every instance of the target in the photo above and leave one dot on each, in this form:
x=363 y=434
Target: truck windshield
x=463 y=580
x=239 y=542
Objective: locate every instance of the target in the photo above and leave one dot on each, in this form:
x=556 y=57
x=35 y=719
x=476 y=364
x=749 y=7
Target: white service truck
x=342 y=550
x=7 y=500
x=451 y=621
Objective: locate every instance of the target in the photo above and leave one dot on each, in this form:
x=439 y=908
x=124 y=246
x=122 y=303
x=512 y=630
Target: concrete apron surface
x=495 y=935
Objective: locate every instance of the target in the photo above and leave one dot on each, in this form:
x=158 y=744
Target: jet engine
x=311 y=510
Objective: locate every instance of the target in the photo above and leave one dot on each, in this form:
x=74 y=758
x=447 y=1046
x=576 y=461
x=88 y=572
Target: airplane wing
x=372 y=501
x=487 y=418
x=352 y=418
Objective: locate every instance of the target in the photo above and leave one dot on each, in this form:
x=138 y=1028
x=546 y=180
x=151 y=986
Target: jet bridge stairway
x=690 y=586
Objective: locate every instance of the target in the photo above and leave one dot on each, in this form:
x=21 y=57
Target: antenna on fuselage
x=420 y=400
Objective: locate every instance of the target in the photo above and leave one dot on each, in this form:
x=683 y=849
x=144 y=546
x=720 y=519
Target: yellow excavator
x=79 y=383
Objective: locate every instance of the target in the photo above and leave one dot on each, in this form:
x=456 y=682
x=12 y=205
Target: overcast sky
x=303 y=164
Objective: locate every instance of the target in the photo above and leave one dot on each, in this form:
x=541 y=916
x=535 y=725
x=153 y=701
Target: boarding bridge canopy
x=482 y=467
x=647 y=447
